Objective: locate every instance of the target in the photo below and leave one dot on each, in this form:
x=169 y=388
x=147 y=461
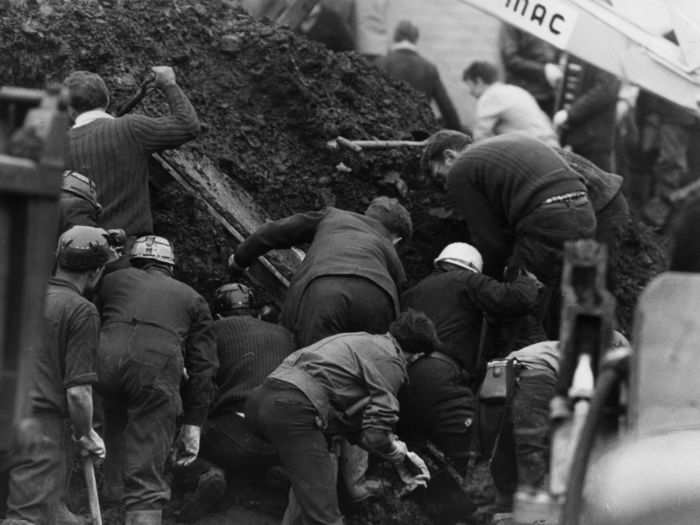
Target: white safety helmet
x=461 y=254
x=153 y=247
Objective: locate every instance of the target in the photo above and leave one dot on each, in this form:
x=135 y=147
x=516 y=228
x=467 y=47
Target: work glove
x=553 y=73
x=164 y=76
x=413 y=472
x=560 y=118
x=187 y=445
x=397 y=453
x=92 y=444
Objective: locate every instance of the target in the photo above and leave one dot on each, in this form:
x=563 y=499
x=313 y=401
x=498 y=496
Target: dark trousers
x=337 y=304
x=539 y=248
x=38 y=474
x=228 y=442
x=522 y=453
x=284 y=416
x=139 y=369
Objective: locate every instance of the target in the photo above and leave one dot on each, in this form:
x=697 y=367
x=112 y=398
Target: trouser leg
x=286 y=417
x=37 y=477
x=530 y=413
x=115 y=418
x=148 y=436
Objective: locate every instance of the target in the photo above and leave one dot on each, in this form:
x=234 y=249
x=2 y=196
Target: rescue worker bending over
x=248 y=350
x=154 y=329
x=457 y=295
x=310 y=396
x=521 y=202
x=64 y=372
x=349 y=278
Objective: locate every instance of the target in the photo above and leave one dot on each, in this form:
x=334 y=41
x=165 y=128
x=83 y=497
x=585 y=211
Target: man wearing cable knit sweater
x=114 y=152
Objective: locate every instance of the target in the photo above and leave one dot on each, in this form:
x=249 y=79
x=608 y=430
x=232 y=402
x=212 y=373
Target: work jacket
x=342 y=243
x=340 y=370
x=456 y=300
x=404 y=63
x=151 y=298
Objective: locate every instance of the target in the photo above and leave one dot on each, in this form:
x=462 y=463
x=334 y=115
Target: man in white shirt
x=504 y=108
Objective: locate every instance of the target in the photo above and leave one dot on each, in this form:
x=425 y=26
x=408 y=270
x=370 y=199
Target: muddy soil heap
x=269 y=101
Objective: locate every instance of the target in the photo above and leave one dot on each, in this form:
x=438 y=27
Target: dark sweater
x=249 y=350
x=423 y=76
x=115 y=154
x=436 y=404
x=500 y=181
x=342 y=243
x=456 y=300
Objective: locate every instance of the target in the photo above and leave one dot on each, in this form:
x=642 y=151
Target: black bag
x=499 y=382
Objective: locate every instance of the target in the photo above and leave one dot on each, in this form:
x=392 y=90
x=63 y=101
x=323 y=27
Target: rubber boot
x=354 y=461
x=143 y=517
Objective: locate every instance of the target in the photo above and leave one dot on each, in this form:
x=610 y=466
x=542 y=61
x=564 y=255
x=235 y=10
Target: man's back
x=456 y=300
x=68 y=357
x=249 y=350
x=149 y=296
x=409 y=66
x=509 y=176
x=505 y=108
x=115 y=154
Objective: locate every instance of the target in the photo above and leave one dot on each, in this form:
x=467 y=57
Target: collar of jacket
x=90 y=116
x=58 y=281
x=404 y=45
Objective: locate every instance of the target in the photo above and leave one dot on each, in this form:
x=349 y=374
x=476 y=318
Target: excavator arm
x=606 y=36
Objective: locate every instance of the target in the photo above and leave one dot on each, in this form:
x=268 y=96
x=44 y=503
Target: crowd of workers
x=357 y=365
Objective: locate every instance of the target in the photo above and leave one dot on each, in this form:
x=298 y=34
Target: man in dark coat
x=587 y=118
x=531 y=64
x=349 y=278
x=404 y=63
x=155 y=330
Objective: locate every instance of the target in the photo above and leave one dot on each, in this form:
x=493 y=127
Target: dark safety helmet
x=84 y=248
x=80 y=185
x=232 y=296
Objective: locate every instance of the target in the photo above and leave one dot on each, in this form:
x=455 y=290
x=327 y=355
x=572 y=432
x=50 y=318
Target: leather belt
x=565 y=197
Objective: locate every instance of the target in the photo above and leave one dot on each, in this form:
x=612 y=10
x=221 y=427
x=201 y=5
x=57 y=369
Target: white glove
x=411 y=479
x=560 y=118
x=93 y=444
x=553 y=73
x=398 y=452
x=187 y=445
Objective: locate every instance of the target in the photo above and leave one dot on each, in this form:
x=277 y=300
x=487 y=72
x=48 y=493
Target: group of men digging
x=357 y=364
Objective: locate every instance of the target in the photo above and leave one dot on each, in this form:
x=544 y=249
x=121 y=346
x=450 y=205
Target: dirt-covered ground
x=269 y=101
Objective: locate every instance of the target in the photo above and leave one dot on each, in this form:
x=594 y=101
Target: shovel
x=91 y=483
